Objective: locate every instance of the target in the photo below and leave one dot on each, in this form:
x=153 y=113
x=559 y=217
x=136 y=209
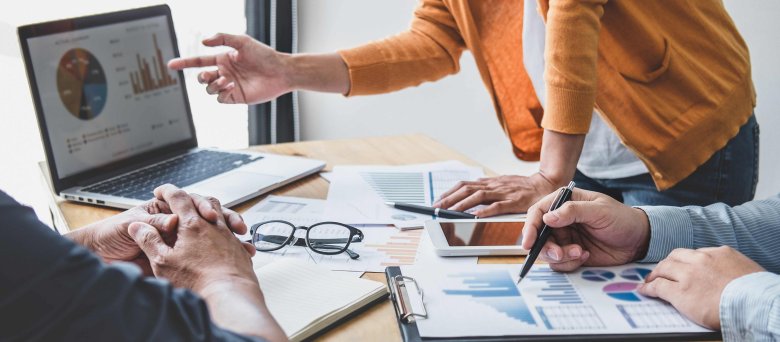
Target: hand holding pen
x=563 y=196
x=591 y=229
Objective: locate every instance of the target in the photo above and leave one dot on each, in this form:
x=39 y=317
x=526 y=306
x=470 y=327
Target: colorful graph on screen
x=151 y=77
x=496 y=289
x=81 y=84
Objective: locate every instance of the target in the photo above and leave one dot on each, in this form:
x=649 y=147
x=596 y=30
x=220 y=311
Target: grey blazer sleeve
x=54 y=290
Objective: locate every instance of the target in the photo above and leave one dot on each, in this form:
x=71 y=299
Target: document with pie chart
x=484 y=300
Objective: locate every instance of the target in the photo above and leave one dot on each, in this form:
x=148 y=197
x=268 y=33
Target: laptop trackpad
x=234 y=185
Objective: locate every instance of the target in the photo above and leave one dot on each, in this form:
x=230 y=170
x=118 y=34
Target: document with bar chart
x=483 y=300
x=357 y=194
x=381 y=247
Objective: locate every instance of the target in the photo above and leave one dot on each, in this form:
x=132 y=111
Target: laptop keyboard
x=181 y=171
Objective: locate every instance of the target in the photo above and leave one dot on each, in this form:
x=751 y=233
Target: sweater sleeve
x=571 y=52
x=428 y=51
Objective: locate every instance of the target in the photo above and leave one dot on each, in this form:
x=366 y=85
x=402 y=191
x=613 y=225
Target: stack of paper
x=357 y=194
x=382 y=245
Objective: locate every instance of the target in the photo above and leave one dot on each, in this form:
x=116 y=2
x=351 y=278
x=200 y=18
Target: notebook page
x=298 y=294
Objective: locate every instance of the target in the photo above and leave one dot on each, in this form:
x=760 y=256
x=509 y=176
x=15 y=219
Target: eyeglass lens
x=324 y=238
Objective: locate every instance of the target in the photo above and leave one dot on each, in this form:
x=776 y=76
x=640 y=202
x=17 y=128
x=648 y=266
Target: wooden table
x=378 y=323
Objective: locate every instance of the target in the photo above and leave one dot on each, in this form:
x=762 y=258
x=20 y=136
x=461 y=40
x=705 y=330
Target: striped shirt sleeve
x=752 y=228
x=747 y=306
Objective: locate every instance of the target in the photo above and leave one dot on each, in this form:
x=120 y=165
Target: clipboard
x=406 y=317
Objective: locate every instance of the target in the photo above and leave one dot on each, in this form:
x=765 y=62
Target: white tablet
x=476 y=237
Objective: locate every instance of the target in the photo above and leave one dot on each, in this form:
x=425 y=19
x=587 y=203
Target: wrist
x=83 y=236
x=643 y=244
x=554 y=180
x=291 y=66
x=216 y=284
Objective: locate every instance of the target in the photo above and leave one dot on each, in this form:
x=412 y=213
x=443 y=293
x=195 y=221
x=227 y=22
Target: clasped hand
x=111 y=240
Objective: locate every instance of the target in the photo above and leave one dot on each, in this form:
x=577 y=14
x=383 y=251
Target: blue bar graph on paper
x=495 y=289
x=557 y=287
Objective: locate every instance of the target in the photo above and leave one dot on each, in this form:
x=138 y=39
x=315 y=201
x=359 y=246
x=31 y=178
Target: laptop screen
x=106 y=93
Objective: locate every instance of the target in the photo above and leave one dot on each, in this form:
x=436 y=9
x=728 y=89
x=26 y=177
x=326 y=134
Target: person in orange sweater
x=669 y=83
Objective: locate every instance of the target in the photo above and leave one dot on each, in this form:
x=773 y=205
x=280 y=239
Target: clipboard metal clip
x=401 y=297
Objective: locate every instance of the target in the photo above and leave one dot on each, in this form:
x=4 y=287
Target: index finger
x=455 y=188
x=533 y=221
x=178 y=200
x=192 y=62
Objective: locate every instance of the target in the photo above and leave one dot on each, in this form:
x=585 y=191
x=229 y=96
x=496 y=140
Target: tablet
x=476 y=237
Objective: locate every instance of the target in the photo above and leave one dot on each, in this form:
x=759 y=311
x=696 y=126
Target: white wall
x=457 y=110
x=759 y=25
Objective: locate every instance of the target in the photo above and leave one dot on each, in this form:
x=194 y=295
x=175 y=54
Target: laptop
x=116 y=122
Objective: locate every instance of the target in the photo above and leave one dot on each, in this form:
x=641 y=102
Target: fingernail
x=552 y=254
x=574 y=253
x=551 y=217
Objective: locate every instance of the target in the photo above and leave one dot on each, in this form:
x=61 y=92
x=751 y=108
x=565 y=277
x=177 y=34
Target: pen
x=443 y=213
x=563 y=196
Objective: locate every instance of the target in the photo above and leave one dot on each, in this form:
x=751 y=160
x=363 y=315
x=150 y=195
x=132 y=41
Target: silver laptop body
x=115 y=122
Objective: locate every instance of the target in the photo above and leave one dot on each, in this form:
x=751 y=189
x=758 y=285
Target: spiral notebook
x=306 y=299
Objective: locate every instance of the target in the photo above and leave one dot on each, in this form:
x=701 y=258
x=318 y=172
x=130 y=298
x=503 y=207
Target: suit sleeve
x=53 y=289
x=428 y=51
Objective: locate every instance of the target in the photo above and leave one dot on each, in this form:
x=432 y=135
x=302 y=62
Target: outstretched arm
x=253 y=72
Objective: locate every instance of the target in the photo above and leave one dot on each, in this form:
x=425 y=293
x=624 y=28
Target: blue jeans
x=729 y=176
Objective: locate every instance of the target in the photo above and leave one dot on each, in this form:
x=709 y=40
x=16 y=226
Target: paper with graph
x=483 y=300
x=357 y=194
x=382 y=245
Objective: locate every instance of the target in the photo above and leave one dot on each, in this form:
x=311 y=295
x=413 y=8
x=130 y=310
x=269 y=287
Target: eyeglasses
x=328 y=238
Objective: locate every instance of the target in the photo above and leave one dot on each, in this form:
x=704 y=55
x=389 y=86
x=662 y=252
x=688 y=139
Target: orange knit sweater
x=672 y=78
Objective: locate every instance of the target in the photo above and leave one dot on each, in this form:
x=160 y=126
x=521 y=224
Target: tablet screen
x=482 y=233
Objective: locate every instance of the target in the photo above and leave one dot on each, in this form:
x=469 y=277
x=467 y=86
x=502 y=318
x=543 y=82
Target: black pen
x=420 y=209
x=563 y=196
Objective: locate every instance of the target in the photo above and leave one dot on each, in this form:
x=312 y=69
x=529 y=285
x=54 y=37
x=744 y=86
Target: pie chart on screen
x=81 y=84
x=598 y=275
x=623 y=291
x=635 y=274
